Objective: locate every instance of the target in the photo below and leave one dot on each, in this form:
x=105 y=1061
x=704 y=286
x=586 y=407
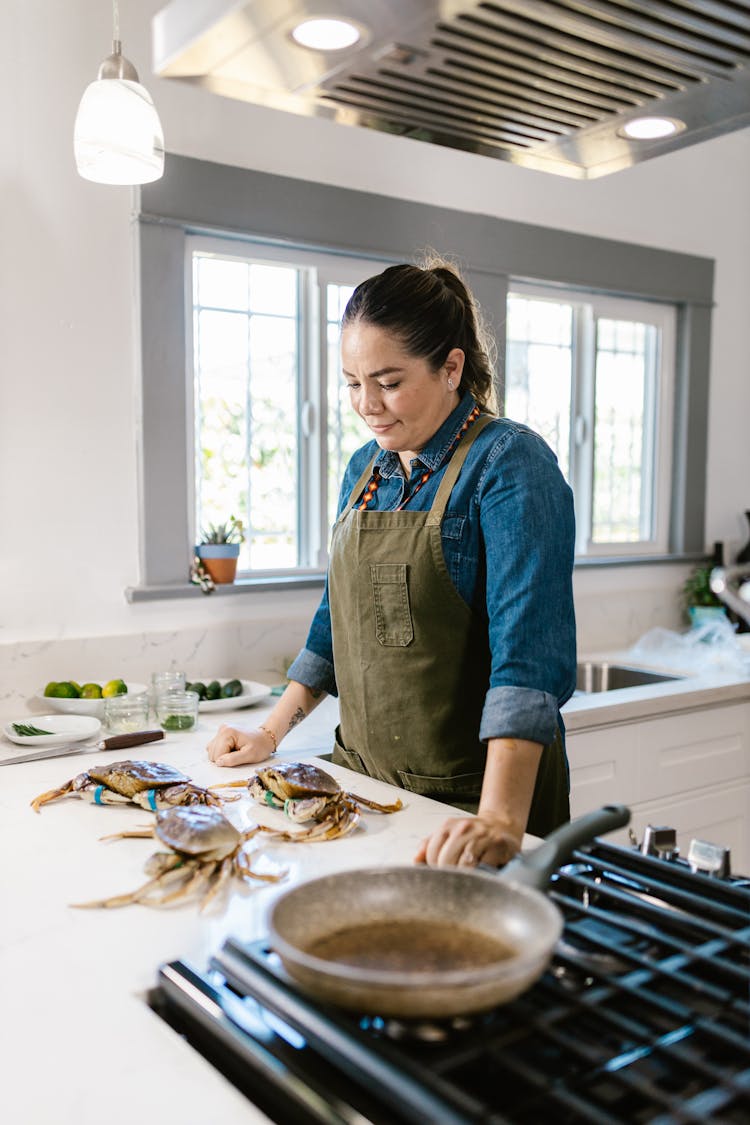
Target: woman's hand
x=232 y=747
x=467 y=841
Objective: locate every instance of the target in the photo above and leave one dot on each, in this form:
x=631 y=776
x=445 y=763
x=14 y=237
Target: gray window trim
x=197 y=196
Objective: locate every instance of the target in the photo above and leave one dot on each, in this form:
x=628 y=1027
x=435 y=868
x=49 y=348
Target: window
x=266 y=369
x=254 y=217
x=595 y=376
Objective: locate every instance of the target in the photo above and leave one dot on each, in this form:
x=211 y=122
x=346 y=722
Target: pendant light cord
x=115 y=20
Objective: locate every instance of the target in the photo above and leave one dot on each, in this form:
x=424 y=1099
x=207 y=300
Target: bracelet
x=272 y=736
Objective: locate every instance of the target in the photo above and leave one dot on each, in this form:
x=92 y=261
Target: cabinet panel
x=692 y=750
x=602 y=768
x=720 y=815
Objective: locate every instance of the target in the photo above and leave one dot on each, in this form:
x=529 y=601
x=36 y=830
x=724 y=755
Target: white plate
x=252 y=692
x=84 y=706
x=64 y=729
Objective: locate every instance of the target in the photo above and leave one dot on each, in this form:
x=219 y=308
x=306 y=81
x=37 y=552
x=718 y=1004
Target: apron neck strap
x=358 y=489
x=440 y=503
x=455 y=465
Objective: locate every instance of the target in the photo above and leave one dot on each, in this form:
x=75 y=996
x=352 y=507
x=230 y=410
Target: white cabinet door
x=689 y=770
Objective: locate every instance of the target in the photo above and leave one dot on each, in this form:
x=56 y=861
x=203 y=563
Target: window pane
x=623 y=413
x=273 y=289
x=246 y=411
x=346 y=431
x=539 y=370
x=273 y=486
x=221 y=283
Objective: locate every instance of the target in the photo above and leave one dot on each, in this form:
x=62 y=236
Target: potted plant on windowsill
x=700 y=603
x=219 y=549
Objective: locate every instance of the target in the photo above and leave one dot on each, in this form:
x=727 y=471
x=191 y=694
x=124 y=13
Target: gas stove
x=642 y=1015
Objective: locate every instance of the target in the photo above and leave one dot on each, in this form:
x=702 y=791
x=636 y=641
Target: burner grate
x=642 y=1016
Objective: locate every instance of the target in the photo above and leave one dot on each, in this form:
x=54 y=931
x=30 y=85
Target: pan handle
x=536 y=868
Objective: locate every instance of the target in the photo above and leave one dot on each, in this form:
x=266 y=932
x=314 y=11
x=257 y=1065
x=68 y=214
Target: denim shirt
x=508 y=539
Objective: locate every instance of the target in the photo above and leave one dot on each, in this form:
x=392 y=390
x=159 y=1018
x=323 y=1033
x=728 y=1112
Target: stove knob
x=661 y=842
x=709 y=859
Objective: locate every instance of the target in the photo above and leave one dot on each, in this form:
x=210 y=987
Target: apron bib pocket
x=390 y=599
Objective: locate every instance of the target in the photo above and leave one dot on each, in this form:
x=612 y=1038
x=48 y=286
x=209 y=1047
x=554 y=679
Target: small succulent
x=232 y=531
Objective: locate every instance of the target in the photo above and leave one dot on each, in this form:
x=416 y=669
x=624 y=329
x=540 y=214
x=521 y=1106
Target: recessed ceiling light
x=651 y=128
x=326 y=34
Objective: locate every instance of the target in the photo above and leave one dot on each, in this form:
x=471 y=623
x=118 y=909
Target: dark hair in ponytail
x=431 y=311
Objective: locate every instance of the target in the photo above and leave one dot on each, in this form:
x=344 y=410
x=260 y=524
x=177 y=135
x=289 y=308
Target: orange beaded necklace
x=372 y=487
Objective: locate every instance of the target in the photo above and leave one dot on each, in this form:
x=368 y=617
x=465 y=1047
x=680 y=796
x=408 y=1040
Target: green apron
x=412 y=660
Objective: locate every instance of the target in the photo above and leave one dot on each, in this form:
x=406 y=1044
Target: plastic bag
x=712 y=647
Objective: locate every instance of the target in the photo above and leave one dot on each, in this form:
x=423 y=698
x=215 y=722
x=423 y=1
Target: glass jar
x=124 y=714
x=177 y=710
x=166 y=681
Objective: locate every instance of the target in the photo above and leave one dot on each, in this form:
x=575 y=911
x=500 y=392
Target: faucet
x=732 y=585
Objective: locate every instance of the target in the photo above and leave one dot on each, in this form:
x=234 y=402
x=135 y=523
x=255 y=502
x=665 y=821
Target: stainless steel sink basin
x=599 y=675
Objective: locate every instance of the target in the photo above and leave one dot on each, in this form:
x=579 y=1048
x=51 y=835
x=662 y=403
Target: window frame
x=197 y=196
x=318 y=269
x=587 y=308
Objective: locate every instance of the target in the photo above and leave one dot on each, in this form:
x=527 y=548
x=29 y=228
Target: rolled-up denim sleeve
x=313 y=665
x=528 y=529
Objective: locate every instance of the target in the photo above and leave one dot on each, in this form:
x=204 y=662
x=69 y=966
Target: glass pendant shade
x=118 y=137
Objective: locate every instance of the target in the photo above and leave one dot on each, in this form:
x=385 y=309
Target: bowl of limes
x=86 y=697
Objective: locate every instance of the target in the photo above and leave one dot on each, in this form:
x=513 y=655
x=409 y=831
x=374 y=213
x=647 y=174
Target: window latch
x=307 y=419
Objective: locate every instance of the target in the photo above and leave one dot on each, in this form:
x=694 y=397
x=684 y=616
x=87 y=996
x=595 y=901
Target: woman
x=447 y=625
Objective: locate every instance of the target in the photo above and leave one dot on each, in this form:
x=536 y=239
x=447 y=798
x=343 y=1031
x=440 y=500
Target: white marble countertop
x=79 y=1042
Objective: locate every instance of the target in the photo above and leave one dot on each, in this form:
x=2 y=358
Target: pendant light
x=118 y=137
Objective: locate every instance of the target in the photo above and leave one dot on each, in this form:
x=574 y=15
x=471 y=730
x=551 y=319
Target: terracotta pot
x=220 y=560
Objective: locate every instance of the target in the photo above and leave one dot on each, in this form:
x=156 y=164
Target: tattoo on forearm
x=296 y=718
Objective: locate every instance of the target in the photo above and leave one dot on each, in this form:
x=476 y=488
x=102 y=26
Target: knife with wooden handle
x=114 y=742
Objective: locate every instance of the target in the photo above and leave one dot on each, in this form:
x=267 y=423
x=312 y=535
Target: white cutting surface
x=79 y=1043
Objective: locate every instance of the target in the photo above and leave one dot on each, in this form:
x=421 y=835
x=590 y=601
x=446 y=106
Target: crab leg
x=132 y=834
x=200 y=874
x=219 y=880
x=397 y=804
x=51 y=795
x=133 y=896
x=325 y=830
x=244 y=868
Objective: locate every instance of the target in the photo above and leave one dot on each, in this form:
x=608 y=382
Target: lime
x=75 y=684
x=213 y=690
x=50 y=688
x=65 y=690
x=91 y=691
x=114 y=687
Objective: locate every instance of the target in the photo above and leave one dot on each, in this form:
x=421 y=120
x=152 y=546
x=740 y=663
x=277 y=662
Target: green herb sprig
x=29 y=731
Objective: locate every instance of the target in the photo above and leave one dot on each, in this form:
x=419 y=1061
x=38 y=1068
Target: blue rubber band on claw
x=151 y=794
x=98 y=794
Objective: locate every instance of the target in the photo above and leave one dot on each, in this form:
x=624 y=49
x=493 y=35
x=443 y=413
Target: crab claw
x=51 y=795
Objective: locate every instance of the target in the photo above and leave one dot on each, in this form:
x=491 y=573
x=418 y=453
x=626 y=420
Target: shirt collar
x=434 y=453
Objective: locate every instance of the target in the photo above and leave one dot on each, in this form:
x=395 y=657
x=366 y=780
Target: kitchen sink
x=600 y=675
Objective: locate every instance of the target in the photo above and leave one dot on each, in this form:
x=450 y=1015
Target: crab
x=307 y=793
x=205 y=850
x=152 y=785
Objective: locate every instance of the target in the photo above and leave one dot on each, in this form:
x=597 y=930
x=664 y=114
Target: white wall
x=68 y=489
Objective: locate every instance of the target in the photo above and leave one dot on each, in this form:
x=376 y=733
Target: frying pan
x=428 y=942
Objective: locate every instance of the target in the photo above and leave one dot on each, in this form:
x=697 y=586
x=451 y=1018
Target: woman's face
x=398 y=396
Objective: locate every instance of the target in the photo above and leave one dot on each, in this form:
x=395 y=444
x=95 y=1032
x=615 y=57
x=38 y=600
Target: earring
x=450 y=384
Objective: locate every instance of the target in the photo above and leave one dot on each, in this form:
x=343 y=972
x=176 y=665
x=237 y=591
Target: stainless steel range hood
x=545 y=84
